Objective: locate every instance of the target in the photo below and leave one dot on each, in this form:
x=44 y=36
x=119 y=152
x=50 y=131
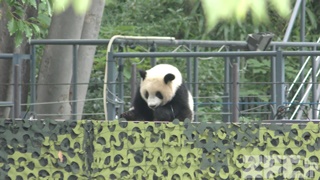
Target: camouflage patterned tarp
x=179 y=150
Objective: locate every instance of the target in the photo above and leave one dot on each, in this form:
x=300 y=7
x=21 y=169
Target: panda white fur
x=161 y=96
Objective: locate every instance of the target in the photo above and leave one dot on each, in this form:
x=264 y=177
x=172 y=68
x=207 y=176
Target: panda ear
x=143 y=74
x=169 y=77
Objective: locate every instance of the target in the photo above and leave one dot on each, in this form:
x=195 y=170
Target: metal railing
x=234 y=50
x=15 y=105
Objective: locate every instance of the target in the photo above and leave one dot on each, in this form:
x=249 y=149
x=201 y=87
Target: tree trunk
x=7 y=46
x=56 y=67
x=90 y=30
x=25 y=64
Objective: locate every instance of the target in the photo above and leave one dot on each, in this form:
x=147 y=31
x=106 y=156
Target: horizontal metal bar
x=216 y=54
x=263 y=122
x=168 y=42
x=6 y=103
x=196 y=54
x=6 y=56
x=24 y=56
x=201 y=43
x=291 y=121
x=69 y=41
x=10 y=56
x=301 y=53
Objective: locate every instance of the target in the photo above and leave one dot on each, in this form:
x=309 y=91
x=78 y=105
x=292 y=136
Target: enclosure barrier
x=233 y=51
x=15 y=105
x=127 y=150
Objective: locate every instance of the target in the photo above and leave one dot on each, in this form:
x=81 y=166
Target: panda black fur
x=161 y=96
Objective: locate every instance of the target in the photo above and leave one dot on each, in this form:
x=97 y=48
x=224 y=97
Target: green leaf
x=33 y=3
x=11 y=26
x=260 y=11
x=44 y=20
x=312 y=17
x=36 y=28
x=20 y=25
x=19 y=11
x=81 y=6
x=241 y=10
x=28 y=32
x=47 y=5
x=217 y=10
x=18 y=39
x=60 y=5
x=282 y=7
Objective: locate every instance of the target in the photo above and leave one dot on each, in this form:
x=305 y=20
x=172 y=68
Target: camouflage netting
x=128 y=150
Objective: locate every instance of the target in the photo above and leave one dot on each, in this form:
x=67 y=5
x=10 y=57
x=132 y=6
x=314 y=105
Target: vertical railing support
x=153 y=49
x=111 y=87
x=235 y=93
x=74 y=82
x=226 y=93
x=189 y=70
x=274 y=85
x=302 y=39
x=16 y=111
x=196 y=84
x=280 y=79
x=33 y=78
x=314 y=102
x=17 y=92
x=133 y=81
x=121 y=79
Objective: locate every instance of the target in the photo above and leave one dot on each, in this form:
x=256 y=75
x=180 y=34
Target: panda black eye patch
x=159 y=95
x=146 y=95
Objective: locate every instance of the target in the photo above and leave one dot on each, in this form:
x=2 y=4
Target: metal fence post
x=153 y=48
x=314 y=104
x=235 y=93
x=302 y=39
x=274 y=85
x=16 y=88
x=111 y=87
x=280 y=79
x=189 y=70
x=17 y=92
x=226 y=93
x=133 y=82
x=74 y=82
x=196 y=84
x=121 y=79
x=33 y=78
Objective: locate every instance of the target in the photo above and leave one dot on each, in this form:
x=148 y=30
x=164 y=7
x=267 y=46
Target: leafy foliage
x=80 y=6
x=217 y=10
x=20 y=25
x=177 y=18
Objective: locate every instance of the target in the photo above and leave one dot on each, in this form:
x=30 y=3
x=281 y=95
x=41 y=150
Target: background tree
x=56 y=63
x=19 y=21
x=74 y=23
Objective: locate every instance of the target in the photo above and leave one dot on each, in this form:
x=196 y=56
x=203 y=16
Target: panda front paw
x=129 y=115
x=163 y=114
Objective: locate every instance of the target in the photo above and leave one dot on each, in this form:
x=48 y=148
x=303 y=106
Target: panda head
x=159 y=84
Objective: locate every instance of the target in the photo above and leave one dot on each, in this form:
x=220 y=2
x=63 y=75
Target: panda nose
x=152 y=106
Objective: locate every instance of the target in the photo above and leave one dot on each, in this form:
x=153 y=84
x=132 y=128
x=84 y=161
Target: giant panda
x=161 y=96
